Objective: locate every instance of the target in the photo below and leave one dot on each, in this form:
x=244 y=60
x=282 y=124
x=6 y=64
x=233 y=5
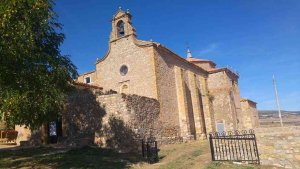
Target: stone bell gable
x=121 y=25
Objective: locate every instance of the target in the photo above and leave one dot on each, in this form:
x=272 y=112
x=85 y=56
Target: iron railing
x=234 y=146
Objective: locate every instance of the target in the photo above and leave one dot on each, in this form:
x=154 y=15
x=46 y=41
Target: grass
x=192 y=155
x=218 y=165
x=86 y=157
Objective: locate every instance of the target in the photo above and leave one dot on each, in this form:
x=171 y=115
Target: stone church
x=194 y=95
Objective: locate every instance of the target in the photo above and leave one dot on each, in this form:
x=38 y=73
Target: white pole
x=277 y=100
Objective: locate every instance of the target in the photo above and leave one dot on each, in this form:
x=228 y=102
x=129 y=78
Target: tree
x=34 y=75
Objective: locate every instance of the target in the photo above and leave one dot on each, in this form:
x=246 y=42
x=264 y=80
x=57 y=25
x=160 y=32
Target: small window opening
x=123 y=70
x=88 y=80
x=120 y=28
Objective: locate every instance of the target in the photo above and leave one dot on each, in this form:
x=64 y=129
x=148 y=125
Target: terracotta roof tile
x=248 y=100
x=196 y=60
x=87 y=85
x=87 y=73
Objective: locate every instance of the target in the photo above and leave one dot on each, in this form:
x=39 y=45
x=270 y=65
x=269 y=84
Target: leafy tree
x=34 y=75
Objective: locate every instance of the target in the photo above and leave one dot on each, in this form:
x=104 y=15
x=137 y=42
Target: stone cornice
x=183 y=60
x=248 y=100
x=86 y=85
x=230 y=73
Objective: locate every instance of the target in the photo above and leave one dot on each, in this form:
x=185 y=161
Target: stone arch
x=120 y=29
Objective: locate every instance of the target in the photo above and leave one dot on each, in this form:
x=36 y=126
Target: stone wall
x=224 y=95
x=204 y=65
x=279 y=146
x=128 y=119
x=113 y=120
x=140 y=78
x=82 y=117
x=249 y=115
x=138 y=113
x=182 y=93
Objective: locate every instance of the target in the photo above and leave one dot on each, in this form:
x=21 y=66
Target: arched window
x=120 y=29
x=124 y=89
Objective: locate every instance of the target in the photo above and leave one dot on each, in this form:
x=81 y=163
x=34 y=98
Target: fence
x=150 y=151
x=234 y=146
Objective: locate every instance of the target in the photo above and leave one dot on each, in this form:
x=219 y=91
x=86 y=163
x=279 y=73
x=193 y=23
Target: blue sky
x=258 y=38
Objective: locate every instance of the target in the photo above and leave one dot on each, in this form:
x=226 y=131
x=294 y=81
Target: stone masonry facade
x=279 y=146
x=194 y=96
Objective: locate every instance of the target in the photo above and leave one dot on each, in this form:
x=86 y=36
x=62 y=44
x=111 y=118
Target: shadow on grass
x=86 y=157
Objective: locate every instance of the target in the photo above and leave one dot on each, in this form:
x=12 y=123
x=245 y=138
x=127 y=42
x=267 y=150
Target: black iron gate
x=150 y=151
x=234 y=146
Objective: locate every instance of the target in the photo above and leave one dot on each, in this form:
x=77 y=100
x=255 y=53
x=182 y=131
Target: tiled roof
x=247 y=100
x=87 y=73
x=87 y=85
x=196 y=60
x=215 y=70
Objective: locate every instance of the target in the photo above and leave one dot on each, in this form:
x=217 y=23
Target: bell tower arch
x=121 y=25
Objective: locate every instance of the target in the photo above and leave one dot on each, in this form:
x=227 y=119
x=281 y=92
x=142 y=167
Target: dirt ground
x=191 y=155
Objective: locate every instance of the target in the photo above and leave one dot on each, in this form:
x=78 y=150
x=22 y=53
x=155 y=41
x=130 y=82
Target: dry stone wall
x=128 y=119
x=115 y=120
x=279 y=146
x=82 y=117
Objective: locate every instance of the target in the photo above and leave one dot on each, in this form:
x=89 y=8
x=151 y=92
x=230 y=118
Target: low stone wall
x=108 y=119
x=82 y=118
x=279 y=146
x=112 y=120
x=128 y=119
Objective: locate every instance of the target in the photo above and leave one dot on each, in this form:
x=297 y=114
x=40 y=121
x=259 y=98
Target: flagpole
x=277 y=100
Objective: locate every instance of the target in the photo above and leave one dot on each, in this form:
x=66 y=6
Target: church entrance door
x=54 y=131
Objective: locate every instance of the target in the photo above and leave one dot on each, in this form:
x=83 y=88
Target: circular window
x=123 y=70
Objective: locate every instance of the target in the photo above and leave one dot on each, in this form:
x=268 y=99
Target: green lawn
x=192 y=155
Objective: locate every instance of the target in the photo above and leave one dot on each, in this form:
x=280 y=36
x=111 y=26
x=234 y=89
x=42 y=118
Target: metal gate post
x=211 y=147
x=257 y=154
x=143 y=148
